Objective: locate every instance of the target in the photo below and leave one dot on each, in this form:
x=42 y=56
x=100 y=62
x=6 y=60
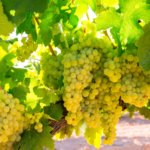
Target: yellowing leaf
x=6 y=26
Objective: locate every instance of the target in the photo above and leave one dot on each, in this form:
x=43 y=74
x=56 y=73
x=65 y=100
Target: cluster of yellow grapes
x=106 y=79
x=24 y=52
x=14 y=120
x=95 y=78
x=52 y=69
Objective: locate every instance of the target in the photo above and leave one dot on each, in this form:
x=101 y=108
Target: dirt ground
x=132 y=134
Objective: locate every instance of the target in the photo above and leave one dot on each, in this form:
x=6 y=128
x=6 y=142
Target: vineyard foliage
x=71 y=67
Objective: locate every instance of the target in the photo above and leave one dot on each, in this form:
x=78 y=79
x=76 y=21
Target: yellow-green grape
x=24 y=52
x=52 y=69
x=12 y=120
x=34 y=119
x=77 y=76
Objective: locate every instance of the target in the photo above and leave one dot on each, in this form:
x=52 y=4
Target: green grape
x=24 y=52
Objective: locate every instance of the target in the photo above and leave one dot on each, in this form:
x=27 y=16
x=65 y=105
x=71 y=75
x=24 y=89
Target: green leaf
x=130 y=31
x=80 y=127
x=131 y=110
x=5 y=63
x=17 y=74
x=54 y=111
x=20 y=92
x=37 y=66
x=46 y=26
x=50 y=98
x=91 y=3
x=73 y=20
x=38 y=5
x=143 y=45
x=127 y=6
x=5 y=43
x=6 y=27
x=27 y=26
x=40 y=91
x=60 y=82
x=107 y=19
x=82 y=9
x=145 y=112
x=31 y=140
x=125 y=19
x=93 y=136
x=8 y=83
x=116 y=37
x=19 y=6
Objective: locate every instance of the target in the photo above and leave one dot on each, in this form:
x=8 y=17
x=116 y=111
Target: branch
x=84 y=32
x=57 y=126
x=88 y=16
x=106 y=34
x=50 y=47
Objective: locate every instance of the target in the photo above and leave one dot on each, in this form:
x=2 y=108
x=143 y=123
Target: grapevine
x=71 y=72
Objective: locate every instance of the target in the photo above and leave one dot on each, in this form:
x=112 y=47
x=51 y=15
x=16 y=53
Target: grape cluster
x=34 y=119
x=52 y=69
x=95 y=79
x=77 y=77
x=14 y=120
x=24 y=52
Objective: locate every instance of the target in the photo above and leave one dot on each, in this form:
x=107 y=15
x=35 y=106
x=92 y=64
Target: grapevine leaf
x=126 y=6
x=8 y=83
x=131 y=110
x=73 y=20
x=17 y=74
x=109 y=3
x=54 y=112
x=38 y=5
x=57 y=40
x=40 y=91
x=50 y=98
x=27 y=26
x=82 y=8
x=116 y=37
x=144 y=112
x=125 y=19
x=11 y=41
x=4 y=45
x=20 y=92
x=46 y=27
x=127 y=32
x=6 y=26
x=143 y=45
x=5 y=64
x=60 y=82
x=107 y=19
x=37 y=67
x=91 y=3
x=93 y=136
x=80 y=127
x=19 y=7
x=31 y=139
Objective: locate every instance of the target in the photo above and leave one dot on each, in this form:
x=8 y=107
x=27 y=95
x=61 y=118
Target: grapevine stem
x=106 y=34
x=34 y=58
x=50 y=47
x=84 y=32
x=88 y=16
